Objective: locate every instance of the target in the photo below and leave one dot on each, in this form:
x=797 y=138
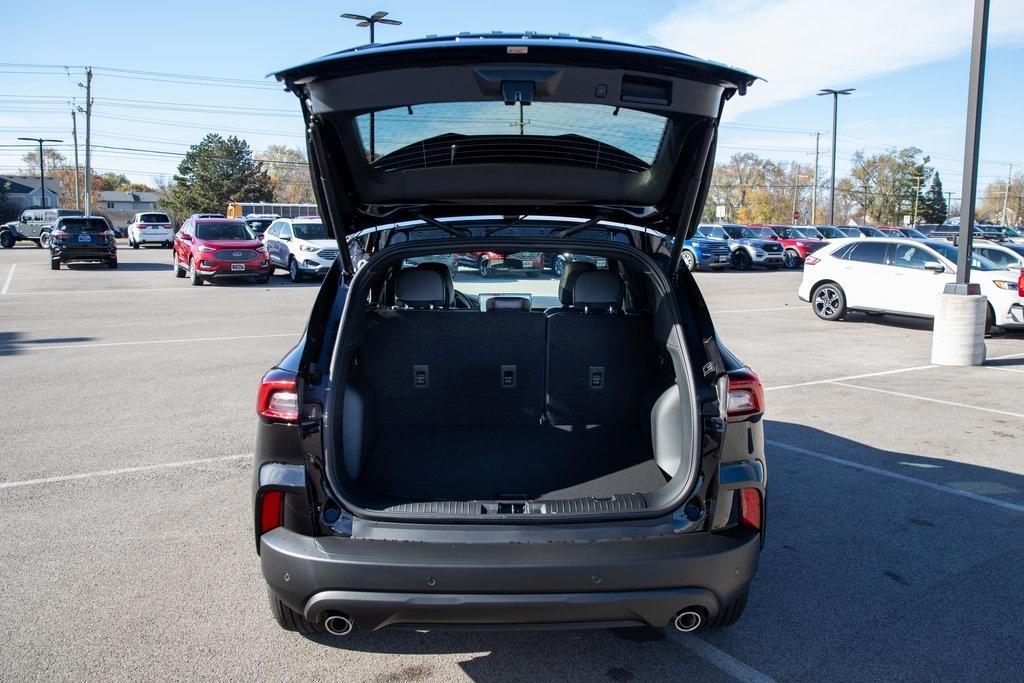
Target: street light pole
x=814 y=195
x=1006 y=195
x=917 y=193
x=364 y=21
x=42 y=174
x=835 y=115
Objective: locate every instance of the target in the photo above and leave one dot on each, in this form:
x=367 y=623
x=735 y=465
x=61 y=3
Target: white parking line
x=931 y=400
x=834 y=380
x=46 y=347
x=996 y=367
x=122 y=470
x=7 y=281
x=896 y=475
x=719 y=659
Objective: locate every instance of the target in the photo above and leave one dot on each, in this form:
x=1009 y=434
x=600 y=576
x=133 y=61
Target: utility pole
x=949 y=204
x=74 y=134
x=88 y=150
x=1006 y=195
x=814 y=195
x=364 y=21
x=835 y=116
x=42 y=174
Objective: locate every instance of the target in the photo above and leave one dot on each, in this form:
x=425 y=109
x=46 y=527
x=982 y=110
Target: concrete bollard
x=959 y=336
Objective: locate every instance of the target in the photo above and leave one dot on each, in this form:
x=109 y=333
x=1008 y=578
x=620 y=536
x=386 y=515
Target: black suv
x=425 y=457
x=82 y=238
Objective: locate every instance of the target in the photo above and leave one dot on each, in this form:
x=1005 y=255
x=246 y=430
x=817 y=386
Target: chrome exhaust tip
x=339 y=625
x=688 y=620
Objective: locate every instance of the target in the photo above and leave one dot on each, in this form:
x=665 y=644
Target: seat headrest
x=446 y=275
x=597 y=290
x=420 y=288
x=570 y=272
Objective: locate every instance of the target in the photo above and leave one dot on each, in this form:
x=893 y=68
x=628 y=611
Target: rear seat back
x=433 y=366
x=600 y=361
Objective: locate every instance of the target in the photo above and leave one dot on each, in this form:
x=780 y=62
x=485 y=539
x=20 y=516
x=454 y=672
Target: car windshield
x=1016 y=248
x=634 y=132
x=810 y=233
x=916 y=234
x=949 y=252
x=750 y=233
x=713 y=232
x=872 y=232
x=765 y=233
x=224 y=231
x=154 y=218
x=259 y=225
x=309 y=231
x=84 y=225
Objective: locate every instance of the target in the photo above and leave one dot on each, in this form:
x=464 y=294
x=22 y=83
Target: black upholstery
x=420 y=287
x=446 y=275
x=597 y=290
x=570 y=272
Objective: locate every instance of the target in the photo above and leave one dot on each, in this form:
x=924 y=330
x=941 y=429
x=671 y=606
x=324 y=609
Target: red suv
x=797 y=243
x=207 y=248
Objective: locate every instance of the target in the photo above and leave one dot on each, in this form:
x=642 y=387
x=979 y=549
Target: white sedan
x=903 y=277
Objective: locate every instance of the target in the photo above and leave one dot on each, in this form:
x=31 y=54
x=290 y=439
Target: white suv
x=904 y=277
x=300 y=246
x=150 y=227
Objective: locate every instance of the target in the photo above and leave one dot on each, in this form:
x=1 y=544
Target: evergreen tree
x=214 y=172
x=932 y=207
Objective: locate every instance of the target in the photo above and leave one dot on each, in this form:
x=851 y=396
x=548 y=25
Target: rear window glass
x=595 y=134
x=84 y=225
x=223 y=231
x=154 y=218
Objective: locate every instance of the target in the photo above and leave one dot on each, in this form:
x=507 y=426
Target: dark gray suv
x=429 y=455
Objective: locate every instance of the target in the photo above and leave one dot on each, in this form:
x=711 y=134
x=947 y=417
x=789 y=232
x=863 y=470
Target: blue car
x=701 y=253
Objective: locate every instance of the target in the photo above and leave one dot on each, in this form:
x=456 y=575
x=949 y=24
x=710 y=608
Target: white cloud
x=799 y=46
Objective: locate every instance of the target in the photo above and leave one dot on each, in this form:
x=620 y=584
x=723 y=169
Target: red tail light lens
x=271 y=511
x=746 y=395
x=58 y=233
x=750 y=508
x=811 y=260
x=278 y=399
x=1020 y=283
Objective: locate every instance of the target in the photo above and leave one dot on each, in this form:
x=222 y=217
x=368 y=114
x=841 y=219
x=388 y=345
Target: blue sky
x=908 y=60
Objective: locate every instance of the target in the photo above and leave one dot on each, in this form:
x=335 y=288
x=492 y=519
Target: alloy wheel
x=827 y=301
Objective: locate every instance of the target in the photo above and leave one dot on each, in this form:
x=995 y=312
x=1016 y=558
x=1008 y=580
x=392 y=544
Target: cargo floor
x=525 y=462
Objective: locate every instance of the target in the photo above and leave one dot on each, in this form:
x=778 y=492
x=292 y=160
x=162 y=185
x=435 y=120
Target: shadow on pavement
x=14 y=343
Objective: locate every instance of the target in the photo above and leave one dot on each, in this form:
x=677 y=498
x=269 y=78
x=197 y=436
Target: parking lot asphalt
x=896 y=497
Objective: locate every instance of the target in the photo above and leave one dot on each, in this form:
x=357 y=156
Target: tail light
x=59 y=234
x=277 y=399
x=271 y=511
x=1020 y=283
x=746 y=395
x=811 y=260
x=750 y=508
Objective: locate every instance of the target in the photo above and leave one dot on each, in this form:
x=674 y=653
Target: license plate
x=237 y=266
x=723 y=259
x=84 y=238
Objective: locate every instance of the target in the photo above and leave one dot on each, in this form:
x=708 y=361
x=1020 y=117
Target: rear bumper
x=73 y=254
x=387 y=583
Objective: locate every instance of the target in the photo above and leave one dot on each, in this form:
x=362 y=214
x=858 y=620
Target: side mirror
x=185 y=236
x=935 y=266
x=286 y=238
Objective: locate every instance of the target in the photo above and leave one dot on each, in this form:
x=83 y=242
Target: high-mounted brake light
x=271 y=511
x=750 y=508
x=278 y=399
x=746 y=395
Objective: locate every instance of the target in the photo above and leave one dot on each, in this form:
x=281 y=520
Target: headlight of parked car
x=307 y=247
x=1005 y=284
x=206 y=250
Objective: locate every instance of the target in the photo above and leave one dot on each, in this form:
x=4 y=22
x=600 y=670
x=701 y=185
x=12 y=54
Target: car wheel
x=829 y=301
x=485 y=269
x=289 y=619
x=741 y=260
x=559 y=266
x=689 y=261
x=112 y=264
x=135 y=245
x=44 y=240
x=178 y=270
x=990 y=319
x=193 y=274
x=731 y=613
x=791 y=258
x=294 y=274
x=6 y=240
x=54 y=263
